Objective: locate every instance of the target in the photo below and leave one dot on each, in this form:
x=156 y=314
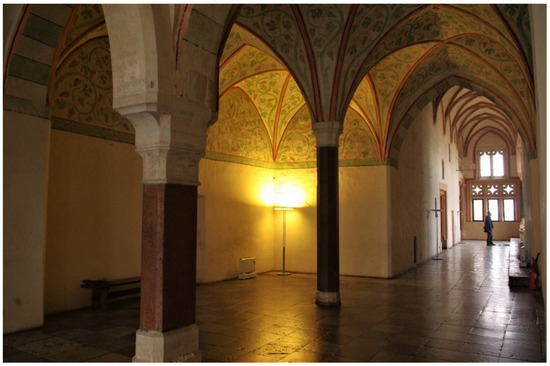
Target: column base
x=178 y=345
x=328 y=299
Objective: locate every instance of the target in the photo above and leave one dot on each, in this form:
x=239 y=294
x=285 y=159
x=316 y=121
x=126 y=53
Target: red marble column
x=168 y=263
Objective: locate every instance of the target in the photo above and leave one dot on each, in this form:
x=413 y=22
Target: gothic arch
x=441 y=88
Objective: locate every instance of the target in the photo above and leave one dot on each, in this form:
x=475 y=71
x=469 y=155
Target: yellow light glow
x=289 y=197
x=267 y=195
x=282 y=195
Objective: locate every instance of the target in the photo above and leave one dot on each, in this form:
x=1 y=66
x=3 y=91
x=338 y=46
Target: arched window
x=491 y=164
x=494 y=190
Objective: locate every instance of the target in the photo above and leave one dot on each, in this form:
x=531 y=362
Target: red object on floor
x=532 y=280
x=532 y=273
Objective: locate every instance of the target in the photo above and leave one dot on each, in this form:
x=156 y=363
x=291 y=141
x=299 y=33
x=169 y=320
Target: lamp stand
x=284 y=273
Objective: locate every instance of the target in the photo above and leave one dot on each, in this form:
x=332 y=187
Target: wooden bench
x=102 y=290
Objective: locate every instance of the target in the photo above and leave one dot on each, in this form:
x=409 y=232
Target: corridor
x=456 y=309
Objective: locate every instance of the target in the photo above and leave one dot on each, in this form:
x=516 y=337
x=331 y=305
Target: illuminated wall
x=233 y=221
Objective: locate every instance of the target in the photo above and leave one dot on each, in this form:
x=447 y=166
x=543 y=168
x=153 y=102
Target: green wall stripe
x=286 y=165
x=24 y=106
x=93 y=131
x=42 y=30
x=31 y=70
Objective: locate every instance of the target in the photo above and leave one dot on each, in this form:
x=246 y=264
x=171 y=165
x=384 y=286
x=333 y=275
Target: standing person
x=488 y=228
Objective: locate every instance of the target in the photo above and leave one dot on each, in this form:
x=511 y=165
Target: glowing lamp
x=285 y=198
x=289 y=197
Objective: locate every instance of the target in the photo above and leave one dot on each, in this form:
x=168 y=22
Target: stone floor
x=456 y=309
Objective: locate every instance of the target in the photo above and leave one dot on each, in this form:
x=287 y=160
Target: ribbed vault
x=373 y=67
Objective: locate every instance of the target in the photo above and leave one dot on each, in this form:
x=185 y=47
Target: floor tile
x=303 y=356
x=25 y=357
x=520 y=336
x=78 y=354
x=444 y=344
x=111 y=357
x=275 y=350
x=459 y=309
x=49 y=347
x=323 y=348
x=21 y=338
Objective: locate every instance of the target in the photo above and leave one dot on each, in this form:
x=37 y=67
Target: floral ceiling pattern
x=82 y=90
x=369 y=67
x=285 y=67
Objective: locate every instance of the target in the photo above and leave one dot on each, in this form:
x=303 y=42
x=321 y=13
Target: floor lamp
x=284 y=209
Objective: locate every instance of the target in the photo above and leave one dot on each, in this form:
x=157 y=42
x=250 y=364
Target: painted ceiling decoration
x=284 y=67
x=264 y=120
x=376 y=65
x=81 y=89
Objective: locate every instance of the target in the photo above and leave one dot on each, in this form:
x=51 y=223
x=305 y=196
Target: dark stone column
x=168 y=263
x=328 y=234
x=328 y=243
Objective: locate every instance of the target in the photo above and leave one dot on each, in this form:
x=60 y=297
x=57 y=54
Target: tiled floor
x=456 y=309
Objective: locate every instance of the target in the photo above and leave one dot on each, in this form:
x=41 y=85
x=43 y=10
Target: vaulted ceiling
x=371 y=67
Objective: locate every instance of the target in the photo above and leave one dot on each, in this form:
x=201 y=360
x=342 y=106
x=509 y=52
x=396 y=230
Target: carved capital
x=327 y=133
x=168 y=165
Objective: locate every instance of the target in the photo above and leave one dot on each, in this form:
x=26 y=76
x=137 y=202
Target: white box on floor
x=247 y=268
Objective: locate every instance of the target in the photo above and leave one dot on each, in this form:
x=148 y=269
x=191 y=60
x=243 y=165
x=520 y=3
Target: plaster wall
x=427 y=164
x=501 y=231
x=94 y=216
x=301 y=223
x=363 y=217
x=233 y=221
x=26 y=140
x=536 y=244
x=364 y=221
x=539 y=33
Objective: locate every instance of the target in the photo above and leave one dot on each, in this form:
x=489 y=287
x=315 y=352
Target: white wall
x=415 y=185
x=25 y=172
x=538 y=13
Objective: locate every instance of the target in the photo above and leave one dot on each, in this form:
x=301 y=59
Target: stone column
x=169 y=236
x=328 y=256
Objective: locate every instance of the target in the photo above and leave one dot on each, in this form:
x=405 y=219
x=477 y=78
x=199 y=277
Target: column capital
x=327 y=133
x=169 y=165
